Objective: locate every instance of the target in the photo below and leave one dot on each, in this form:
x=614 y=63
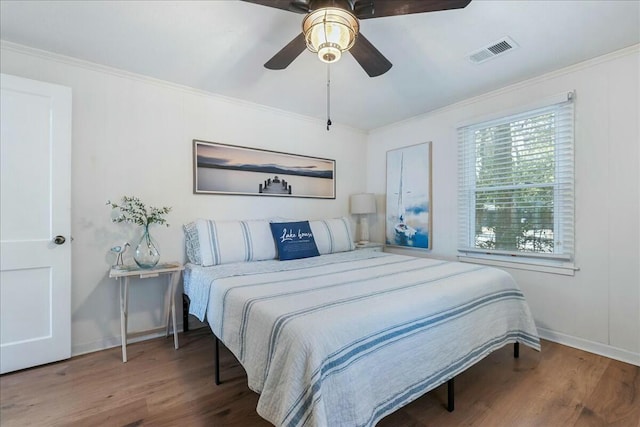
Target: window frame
x=559 y=262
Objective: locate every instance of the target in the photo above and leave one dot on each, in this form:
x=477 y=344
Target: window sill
x=521 y=263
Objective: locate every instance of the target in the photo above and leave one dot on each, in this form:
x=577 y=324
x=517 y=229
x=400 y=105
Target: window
x=516 y=184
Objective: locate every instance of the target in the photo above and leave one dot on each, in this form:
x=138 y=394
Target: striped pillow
x=223 y=242
x=332 y=235
x=191 y=242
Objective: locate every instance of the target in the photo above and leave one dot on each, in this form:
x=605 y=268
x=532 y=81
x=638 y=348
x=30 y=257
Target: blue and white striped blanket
x=345 y=339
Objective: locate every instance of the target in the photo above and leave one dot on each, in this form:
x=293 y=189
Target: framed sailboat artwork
x=408 y=213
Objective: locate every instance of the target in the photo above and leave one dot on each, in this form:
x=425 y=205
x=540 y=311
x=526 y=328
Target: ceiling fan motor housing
x=339 y=4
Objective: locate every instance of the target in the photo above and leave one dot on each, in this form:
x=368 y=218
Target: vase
x=146 y=254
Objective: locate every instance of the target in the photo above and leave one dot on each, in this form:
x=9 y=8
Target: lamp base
x=364 y=229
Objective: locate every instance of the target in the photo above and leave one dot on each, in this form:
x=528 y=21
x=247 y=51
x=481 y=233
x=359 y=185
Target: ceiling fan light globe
x=330 y=30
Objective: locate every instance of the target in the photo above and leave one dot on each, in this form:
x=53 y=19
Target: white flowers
x=132 y=210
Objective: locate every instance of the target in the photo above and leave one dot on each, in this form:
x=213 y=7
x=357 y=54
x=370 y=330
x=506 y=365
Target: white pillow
x=332 y=235
x=223 y=242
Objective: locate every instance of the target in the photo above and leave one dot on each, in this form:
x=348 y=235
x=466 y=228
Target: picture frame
x=236 y=170
x=408 y=217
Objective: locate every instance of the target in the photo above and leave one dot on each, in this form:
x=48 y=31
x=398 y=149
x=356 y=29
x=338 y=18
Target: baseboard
x=591 y=346
x=111 y=342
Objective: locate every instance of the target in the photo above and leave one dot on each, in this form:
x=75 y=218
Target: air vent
x=496 y=48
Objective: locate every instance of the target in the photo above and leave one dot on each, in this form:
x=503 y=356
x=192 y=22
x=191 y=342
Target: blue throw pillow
x=294 y=240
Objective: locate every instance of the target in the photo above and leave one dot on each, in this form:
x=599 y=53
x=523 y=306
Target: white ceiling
x=221 y=46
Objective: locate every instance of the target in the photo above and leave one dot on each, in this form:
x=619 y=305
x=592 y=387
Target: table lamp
x=362 y=205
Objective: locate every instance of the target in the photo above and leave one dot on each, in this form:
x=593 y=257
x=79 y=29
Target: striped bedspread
x=346 y=339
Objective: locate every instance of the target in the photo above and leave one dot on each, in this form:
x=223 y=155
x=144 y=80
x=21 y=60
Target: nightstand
x=370 y=246
x=124 y=273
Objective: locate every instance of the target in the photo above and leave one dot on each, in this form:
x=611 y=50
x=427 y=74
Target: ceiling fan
x=332 y=27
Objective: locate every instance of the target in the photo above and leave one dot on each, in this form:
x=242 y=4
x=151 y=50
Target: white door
x=35 y=193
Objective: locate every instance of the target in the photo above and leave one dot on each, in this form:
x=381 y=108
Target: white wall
x=133 y=136
x=598 y=309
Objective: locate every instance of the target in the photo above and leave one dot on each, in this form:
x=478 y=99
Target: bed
x=348 y=337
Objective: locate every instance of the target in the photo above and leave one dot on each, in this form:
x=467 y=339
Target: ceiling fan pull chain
x=328 y=96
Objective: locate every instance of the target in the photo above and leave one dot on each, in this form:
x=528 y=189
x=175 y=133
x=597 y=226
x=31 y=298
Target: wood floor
x=160 y=386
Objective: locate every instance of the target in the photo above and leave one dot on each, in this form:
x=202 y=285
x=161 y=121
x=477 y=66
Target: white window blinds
x=516 y=184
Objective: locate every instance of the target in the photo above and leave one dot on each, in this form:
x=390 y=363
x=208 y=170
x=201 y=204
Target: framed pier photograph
x=229 y=169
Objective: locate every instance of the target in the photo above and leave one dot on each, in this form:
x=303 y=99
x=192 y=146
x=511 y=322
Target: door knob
x=59 y=240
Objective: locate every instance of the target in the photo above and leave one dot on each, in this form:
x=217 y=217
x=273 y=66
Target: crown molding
x=117 y=72
x=628 y=51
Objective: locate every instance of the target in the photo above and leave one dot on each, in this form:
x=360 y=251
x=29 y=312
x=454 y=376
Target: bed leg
x=185 y=312
x=516 y=349
x=450 y=402
x=217 y=363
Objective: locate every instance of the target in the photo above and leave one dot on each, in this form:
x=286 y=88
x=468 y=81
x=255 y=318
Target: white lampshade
x=364 y=203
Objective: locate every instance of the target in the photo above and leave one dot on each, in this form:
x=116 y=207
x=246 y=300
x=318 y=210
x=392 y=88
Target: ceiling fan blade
x=370 y=59
x=365 y=9
x=298 y=6
x=287 y=54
